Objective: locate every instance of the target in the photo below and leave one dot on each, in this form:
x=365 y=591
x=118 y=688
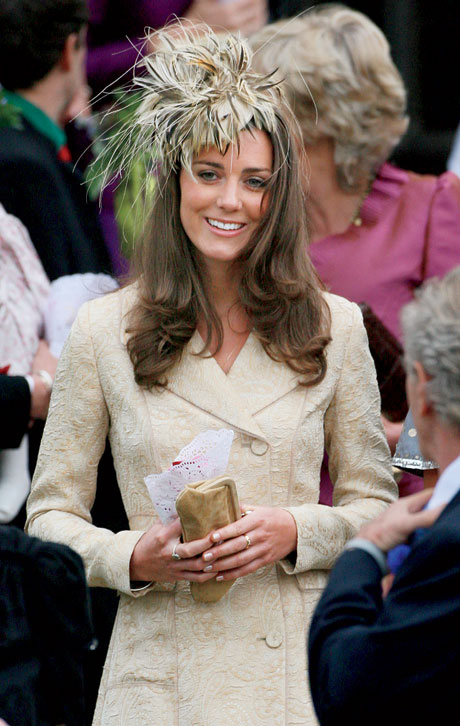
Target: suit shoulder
x=23 y=149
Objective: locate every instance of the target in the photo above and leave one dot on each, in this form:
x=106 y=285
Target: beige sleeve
x=359 y=461
x=64 y=485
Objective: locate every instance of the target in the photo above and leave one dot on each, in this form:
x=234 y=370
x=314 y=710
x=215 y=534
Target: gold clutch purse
x=203 y=506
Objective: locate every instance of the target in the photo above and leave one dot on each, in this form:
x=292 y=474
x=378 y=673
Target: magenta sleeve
x=442 y=243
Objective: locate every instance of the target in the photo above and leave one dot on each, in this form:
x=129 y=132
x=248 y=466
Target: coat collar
x=450 y=507
x=253 y=383
x=431 y=534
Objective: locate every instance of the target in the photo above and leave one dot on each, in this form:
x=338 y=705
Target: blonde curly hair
x=341 y=83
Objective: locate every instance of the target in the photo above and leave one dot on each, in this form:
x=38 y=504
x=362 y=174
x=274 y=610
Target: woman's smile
x=227 y=228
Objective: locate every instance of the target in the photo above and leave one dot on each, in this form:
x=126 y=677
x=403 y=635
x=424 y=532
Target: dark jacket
x=14 y=410
x=45 y=631
x=392 y=661
x=49 y=198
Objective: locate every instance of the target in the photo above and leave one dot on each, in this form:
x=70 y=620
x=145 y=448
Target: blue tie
x=398 y=554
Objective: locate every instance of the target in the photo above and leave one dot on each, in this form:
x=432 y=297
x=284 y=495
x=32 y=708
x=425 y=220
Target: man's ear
x=422 y=379
x=68 y=52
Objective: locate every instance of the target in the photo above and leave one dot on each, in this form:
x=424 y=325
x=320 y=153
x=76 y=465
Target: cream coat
x=241 y=661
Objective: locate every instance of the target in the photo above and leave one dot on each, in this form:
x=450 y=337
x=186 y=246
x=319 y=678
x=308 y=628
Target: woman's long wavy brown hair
x=279 y=288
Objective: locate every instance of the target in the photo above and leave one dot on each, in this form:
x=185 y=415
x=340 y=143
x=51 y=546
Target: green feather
x=10 y=115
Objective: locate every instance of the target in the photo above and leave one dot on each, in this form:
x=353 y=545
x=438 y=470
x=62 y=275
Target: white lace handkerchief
x=204 y=458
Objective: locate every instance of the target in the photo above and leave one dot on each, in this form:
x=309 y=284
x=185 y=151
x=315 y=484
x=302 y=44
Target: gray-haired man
x=389 y=660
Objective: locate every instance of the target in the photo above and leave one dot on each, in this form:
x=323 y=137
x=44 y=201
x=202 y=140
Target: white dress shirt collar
x=447 y=485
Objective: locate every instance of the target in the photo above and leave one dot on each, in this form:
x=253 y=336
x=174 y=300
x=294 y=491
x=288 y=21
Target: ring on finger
x=248 y=541
x=248 y=511
x=175 y=555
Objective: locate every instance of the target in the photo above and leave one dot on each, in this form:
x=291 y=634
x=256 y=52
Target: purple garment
x=115 y=31
x=410 y=231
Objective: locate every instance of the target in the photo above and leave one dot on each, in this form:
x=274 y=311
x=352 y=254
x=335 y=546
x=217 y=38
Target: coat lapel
x=260 y=380
x=428 y=539
x=236 y=397
x=254 y=382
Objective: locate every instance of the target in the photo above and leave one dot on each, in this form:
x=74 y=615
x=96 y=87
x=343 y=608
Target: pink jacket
x=410 y=231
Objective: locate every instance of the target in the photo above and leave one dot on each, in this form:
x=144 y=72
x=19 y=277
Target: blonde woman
x=226 y=325
x=377 y=231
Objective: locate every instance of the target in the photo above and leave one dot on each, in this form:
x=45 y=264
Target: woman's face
x=221 y=205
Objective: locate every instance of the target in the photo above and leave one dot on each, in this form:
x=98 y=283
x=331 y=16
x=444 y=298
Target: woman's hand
x=152 y=559
x=40 y=399
x=44 y=359
x=271 y=532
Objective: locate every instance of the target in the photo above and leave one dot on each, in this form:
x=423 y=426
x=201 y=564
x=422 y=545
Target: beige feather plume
x=198 y=90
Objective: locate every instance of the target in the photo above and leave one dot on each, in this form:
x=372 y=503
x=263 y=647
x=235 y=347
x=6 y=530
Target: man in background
x=42 y=60
x=378 y=660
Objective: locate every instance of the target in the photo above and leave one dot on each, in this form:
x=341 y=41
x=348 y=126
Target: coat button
x=274 y=639
x=258 y=447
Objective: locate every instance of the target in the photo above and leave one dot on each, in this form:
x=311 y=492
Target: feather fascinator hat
x=197 y=90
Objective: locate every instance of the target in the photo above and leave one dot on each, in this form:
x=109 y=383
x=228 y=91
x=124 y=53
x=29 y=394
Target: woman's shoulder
x=348 y=339
x=109 y=310
x=392 y=182
x=346 y=322
x=430 y=185
x=342 y=311
x=448 y=189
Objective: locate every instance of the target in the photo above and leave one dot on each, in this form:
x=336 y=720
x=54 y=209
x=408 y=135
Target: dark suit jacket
x=45 y=631
x=397 y=660
x=48 y=197
x=14 y=410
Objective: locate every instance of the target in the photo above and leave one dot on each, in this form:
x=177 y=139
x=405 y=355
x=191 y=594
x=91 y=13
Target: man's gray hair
x=431 y=327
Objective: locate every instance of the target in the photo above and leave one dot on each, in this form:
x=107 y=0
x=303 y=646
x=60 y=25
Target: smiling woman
x=225 y=325
x=222 y=203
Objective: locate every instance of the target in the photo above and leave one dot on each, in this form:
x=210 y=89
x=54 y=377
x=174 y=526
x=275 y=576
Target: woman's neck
x=222 y=286
x=223 y=290
x=330 y=209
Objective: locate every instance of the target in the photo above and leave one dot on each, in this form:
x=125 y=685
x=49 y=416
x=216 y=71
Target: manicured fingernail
x=207 y=568
x=207 y=556
x=215 y=537
x=219 y=578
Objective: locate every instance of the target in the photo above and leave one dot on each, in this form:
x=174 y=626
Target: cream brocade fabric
x=174 y=661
